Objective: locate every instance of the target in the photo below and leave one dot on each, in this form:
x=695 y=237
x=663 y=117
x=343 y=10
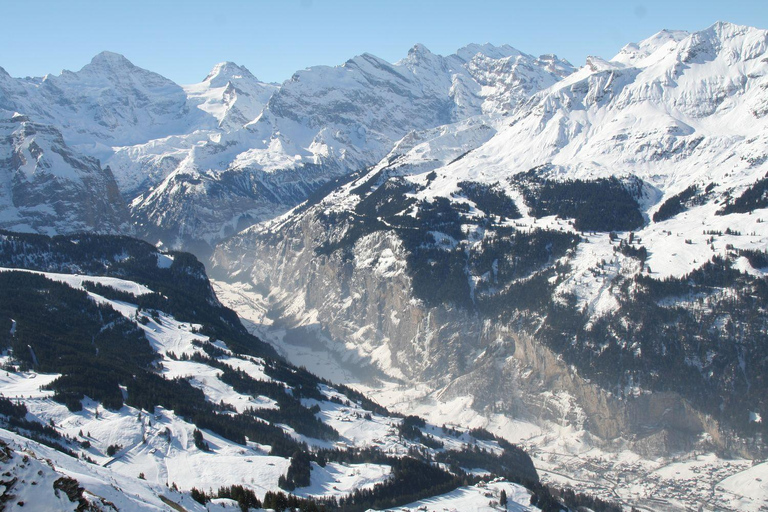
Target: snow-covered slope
x=480 y=498
x=37 y=477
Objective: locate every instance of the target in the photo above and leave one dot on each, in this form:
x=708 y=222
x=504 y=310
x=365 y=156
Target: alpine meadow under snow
x=573 y=260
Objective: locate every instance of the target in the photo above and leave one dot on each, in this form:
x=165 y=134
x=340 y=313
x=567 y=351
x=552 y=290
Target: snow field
x=37 y=463
x=478 y=498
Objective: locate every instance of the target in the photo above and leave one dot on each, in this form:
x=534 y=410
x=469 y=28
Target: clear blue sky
x=184 y=39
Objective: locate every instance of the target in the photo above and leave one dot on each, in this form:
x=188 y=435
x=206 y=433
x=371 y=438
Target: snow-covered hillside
x=37 y=477
x=41 y=478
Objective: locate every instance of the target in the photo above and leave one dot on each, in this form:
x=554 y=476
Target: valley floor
x=682 y=483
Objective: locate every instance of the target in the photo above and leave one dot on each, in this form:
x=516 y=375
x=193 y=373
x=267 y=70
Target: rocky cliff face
x=46 y=187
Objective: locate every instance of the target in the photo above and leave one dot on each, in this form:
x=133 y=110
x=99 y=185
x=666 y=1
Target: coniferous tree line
x=603 y=204
x=13 y=416
x=182 y=289
x=753 y=198
x=676 y=204
x=439 y=271
x=299 y=472
x=290 y=409
x=491 y=199
x=60 y=330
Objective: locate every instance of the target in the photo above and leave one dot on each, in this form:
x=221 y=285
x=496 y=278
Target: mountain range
x=195 y=164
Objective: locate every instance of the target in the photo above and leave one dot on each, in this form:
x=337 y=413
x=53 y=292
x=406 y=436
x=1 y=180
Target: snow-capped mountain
x=595 y=260
x=200 y=162
x=323 y=123
x=228 y=98
x=353 y=114
x=695 y=100
x=109 y=102
x=56 y=127
x=231 y=94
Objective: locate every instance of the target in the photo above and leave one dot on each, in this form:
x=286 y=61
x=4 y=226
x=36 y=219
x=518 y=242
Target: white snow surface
x=231 y=94
x=77 y=280
x=36 y=467
x=483 y=497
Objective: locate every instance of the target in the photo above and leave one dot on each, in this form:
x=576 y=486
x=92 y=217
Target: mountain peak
x=554 y=59
x=366 y=60
x=419 y=49
x=597 y=64
x=420 y=56
x=223 y=72
x=726 y=31
x=744 y=41
x=110 y=60
x=726 y=27
x=19 y=118
x=632 y=53
x=740 y=42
